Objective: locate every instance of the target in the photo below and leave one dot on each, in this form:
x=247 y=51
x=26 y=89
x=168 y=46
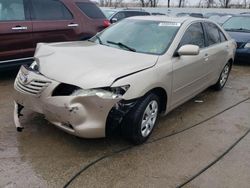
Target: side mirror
x=189 y=50
x=113 y=20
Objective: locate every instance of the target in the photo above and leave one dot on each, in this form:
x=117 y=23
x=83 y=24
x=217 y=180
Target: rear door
x=217 y=50
x=52 y=21
x=16 y=31
x=190 y=72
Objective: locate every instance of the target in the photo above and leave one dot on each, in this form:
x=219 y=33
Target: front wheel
x=223 y=77
x=140 y=122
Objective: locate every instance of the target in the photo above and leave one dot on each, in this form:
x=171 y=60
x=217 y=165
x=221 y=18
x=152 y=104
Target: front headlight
x=247 y=45
x=106 y=93
x=35 y=66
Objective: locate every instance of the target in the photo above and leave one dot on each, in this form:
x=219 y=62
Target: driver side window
x=194 y=35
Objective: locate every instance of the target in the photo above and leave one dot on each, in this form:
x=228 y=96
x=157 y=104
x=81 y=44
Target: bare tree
x=168 y=3
x=149 y=3
x=118 y=3
x=210 y=3
x=225 y=3
x=180 y=3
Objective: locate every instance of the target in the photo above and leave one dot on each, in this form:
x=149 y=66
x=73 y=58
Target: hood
x=239 y=37
x=89 y=65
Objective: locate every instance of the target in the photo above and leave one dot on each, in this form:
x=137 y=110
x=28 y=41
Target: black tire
x=132 y=124
x=220 y=84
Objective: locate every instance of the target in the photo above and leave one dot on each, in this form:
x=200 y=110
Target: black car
x=238 y=27
x=115 y=15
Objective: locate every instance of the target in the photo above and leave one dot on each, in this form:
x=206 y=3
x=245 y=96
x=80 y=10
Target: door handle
x=73 y=25
x=19 y=28
x=206 y=57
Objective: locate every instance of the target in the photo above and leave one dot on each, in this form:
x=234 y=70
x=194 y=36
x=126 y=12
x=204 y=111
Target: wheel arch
x=230 y=61
x=163 y=96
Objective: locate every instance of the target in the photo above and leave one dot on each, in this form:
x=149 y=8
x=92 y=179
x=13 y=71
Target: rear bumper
x=83 y=116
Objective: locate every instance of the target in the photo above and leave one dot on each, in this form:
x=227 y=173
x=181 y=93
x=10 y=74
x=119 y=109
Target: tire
x=223 y=77
x=132 y=127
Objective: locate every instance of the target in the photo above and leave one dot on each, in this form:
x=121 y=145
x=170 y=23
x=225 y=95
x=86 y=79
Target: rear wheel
x=140 y=122
x=223 y=77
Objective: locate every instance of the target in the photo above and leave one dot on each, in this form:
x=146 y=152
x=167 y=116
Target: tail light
x=106 y=23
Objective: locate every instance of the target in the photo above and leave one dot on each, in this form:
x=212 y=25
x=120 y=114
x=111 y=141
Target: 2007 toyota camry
x=124 y=76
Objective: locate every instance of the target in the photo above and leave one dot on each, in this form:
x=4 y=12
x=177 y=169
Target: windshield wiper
x=122 y=45
x=98 y=38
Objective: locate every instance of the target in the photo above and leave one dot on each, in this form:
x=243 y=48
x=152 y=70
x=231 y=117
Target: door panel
x=53 y=22
x=217 y=49
x=16 y=31
x=189 y=77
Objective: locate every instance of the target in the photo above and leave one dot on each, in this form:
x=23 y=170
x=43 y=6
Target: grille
x=35 y=87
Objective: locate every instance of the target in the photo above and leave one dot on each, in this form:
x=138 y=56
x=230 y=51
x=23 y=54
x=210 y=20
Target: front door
x=190 y=72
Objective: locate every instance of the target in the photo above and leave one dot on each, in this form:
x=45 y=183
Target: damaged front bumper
x=83 y=116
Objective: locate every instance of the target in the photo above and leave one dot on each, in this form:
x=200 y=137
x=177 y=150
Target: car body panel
x=242 y=38
x=16 y=44
x=242 y=54
x=86 y=74
x=74 y=114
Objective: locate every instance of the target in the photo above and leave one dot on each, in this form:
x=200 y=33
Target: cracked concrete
x=44 y=156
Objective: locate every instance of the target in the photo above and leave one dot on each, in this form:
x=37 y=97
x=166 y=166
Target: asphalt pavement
x=203 y=143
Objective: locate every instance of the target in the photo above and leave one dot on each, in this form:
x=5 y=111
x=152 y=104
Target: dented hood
x=89 y=65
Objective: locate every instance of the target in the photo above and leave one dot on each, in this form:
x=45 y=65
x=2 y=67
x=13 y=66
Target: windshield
x=144 y=36
x=237 y=23
x=108 y=13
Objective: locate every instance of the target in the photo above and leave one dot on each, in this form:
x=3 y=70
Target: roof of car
x=165 y=18
x=129 y=10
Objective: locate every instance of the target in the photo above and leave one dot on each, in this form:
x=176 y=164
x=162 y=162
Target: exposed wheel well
x=162 y=94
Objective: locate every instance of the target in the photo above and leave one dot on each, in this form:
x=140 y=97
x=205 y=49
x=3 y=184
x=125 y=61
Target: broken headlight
x=35 y=66
x=106 y=93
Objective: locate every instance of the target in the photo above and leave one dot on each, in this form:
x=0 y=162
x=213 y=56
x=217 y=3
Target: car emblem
x=24 y=78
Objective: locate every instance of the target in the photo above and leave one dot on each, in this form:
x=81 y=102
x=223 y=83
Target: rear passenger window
x=213 y=36
x=50 y=10
x=194 y=35
x=11 y=10
x=91 y=10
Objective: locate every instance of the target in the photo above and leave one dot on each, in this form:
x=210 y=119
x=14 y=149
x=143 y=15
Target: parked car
x=197 y=15
x=124 y=76
x=245 y=13
x=24 y=23
x=158 y=14
x=208 y=15
x=115 y=15
x=238 y=27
